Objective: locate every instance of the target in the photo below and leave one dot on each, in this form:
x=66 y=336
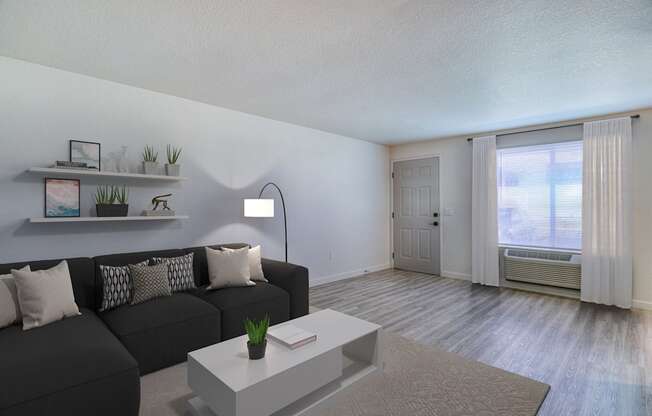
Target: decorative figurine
x=159 y=200
x=161 y=207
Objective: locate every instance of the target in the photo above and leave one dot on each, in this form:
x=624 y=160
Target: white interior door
x=416 y=215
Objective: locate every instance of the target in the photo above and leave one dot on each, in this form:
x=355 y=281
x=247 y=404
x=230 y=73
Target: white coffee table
x=285 y=382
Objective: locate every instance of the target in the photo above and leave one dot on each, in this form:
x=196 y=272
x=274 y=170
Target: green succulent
x=149 y=155
x=105 y=195
x=173 y=154
x=256 y=330
x=121 y=194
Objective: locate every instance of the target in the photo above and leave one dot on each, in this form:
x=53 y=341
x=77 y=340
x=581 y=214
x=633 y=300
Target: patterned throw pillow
x=117 y=286
x=179 y=271
x=149 y=282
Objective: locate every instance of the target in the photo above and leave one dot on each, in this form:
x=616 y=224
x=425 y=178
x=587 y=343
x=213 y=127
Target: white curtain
x=484 y=245
x=607 y=213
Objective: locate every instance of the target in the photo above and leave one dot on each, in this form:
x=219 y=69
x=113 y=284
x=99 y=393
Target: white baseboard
x=455 y=275
x=346 y=275
x=642 y=304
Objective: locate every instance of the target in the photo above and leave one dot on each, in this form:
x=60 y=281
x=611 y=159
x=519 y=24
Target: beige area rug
x=417 y=381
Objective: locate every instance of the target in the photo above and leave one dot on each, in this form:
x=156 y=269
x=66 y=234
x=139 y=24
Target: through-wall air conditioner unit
x=543 y=267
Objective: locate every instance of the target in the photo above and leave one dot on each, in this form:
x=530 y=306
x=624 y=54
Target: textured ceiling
x=387 y=71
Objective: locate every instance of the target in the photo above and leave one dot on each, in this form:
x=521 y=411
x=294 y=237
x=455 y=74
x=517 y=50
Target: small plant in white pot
x=172 y=168
x=150 y=161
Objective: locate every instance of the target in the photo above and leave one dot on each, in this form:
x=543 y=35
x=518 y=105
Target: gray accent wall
x=336 y=188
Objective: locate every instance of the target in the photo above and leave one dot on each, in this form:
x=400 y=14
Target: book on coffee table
x=291 y=336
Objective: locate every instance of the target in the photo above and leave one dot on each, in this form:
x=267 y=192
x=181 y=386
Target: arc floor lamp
x=264 y=208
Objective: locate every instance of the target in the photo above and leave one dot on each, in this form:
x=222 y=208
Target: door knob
x=436 y=214
x=436 y=223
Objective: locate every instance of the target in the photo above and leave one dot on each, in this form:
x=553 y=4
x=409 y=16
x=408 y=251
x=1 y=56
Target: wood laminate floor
x=597 y=359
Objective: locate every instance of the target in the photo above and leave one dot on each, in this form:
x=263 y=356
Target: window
x=540 y=195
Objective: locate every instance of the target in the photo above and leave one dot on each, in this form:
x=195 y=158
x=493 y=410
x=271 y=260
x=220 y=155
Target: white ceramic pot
x=150 y=168
x=172 y=170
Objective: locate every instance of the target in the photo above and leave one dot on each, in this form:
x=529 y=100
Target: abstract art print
x=62 y=198
x=86 y=152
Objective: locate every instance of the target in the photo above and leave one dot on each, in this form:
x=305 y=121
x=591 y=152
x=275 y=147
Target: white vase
x=122 y=164
x=150 y=168
x=172 y=170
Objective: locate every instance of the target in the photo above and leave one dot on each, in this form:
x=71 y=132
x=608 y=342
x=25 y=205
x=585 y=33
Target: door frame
x=391 y=207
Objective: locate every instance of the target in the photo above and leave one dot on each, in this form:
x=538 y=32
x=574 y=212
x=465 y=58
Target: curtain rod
x=470 y=139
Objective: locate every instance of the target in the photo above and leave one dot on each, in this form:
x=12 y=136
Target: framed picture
x=86 y=152
x=62 y=197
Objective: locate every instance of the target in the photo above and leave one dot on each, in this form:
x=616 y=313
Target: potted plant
x=122 y=199
x=150 y=161
x=257 y=333
x=106 y=198
x=172 y=168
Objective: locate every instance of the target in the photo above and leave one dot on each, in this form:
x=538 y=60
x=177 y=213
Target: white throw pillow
x=255 y=264
x=9 y=306
x=228 y=268
x=45 y=296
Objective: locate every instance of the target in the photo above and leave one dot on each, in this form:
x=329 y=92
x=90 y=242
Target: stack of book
x=290 y=336
x=64 y=164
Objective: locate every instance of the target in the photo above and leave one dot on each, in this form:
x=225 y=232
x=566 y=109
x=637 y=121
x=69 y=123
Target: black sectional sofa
x=91 y=364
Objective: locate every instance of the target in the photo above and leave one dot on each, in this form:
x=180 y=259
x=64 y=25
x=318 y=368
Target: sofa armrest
x=291 y=278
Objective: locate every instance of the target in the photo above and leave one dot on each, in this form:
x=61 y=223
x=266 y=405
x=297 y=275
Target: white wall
x=336 y=188
x=455 y=177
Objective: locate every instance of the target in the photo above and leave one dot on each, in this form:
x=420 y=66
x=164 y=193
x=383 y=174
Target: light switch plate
x=449 y=212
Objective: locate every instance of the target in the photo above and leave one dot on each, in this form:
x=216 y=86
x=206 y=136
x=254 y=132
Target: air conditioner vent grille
x=543 y=268
x=545 y=255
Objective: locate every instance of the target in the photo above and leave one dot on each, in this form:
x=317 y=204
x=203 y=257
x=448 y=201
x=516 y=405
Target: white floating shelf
x=108 y=219
x=105 y=174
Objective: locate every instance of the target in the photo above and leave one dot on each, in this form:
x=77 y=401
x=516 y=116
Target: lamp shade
x=259 y=208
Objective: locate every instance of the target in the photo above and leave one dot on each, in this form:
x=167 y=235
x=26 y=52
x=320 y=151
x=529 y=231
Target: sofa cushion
x=160 y=332
x=96 y=397
x=200 y=263
x=239 y=303
x=125 y=259
x=82 y=275
x=60 y=356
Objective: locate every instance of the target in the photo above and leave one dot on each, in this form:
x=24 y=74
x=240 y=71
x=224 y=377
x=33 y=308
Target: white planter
x=172 y=170
x=150 y=168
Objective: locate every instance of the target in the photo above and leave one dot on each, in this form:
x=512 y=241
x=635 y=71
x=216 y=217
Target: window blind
x=540 y=195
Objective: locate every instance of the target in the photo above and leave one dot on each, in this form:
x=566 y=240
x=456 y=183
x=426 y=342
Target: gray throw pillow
x=180 y=271
x=149 y=282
